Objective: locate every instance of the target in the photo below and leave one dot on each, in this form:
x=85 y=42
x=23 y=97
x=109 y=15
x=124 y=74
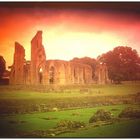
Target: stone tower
x=38 y=59
x=17 y=71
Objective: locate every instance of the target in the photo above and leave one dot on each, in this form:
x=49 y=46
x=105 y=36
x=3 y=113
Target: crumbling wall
x=55 y=72
x=59 y=72
x=27 y=73
x=38 y=60
x=17 y=70
x=66 y=72
x=101 y=74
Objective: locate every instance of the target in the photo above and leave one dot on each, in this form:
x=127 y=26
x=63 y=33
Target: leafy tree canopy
x=123 y=63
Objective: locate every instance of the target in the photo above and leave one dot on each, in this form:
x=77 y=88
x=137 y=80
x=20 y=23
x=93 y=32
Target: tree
x=2 y=66
x=123 y=63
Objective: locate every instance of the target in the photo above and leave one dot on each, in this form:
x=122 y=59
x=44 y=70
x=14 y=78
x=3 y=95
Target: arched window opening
x=40 y=75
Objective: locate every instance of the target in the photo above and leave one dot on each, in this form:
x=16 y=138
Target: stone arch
x=40 y=75
x=51 y=75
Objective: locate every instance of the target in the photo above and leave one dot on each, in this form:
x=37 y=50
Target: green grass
x=35 y=121
x=126 y=129
x=24 y=108
x=9 y=92
x=16 y=99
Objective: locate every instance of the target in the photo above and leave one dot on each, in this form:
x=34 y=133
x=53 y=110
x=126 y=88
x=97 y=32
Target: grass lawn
x=16 y=99
x=24 y=109
x=12 y=92
x=11 y=124
x=126 y=129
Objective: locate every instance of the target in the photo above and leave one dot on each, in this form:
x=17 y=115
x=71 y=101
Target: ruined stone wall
x=65 y=72
x=81 y=73
x=101 y=74
x=38 y=59
x=55 y=72
x=39 y=71
x=17 y=71
x=27 y=73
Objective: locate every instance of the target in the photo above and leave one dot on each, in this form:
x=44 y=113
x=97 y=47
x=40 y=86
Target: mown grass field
x=27 y=109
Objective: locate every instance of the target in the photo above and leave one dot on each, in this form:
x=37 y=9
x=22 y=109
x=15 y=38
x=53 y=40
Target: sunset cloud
x=69 y=31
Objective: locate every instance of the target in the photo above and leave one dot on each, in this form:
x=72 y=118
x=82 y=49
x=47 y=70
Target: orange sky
x=69 y=31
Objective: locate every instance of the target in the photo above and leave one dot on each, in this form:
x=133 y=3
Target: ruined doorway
x=51 y=75
x=40 y=76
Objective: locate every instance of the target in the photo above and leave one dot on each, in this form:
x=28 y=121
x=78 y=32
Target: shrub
x=130 y=112
x=101 y=115
x=70 y=124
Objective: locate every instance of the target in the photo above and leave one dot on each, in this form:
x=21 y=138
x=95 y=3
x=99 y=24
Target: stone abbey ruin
x=45 y=72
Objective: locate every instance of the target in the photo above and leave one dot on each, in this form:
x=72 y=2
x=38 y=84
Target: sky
x=69 y=29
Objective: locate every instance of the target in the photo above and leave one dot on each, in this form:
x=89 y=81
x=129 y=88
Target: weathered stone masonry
x=45 y=72
x=17 y=71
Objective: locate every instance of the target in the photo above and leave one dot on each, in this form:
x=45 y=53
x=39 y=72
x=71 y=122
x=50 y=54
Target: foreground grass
x=126 y=129
x=11 y=125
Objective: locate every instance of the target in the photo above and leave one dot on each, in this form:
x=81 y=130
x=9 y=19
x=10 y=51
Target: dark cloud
x=75 y=5
x=128 y=7
x=120 y=18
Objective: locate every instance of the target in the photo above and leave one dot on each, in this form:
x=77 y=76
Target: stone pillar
x=102 y=73
x=38 y=59
x=17 y=72
x=62 y=74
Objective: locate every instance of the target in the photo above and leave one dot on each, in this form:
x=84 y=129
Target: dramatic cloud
x=69 y=29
